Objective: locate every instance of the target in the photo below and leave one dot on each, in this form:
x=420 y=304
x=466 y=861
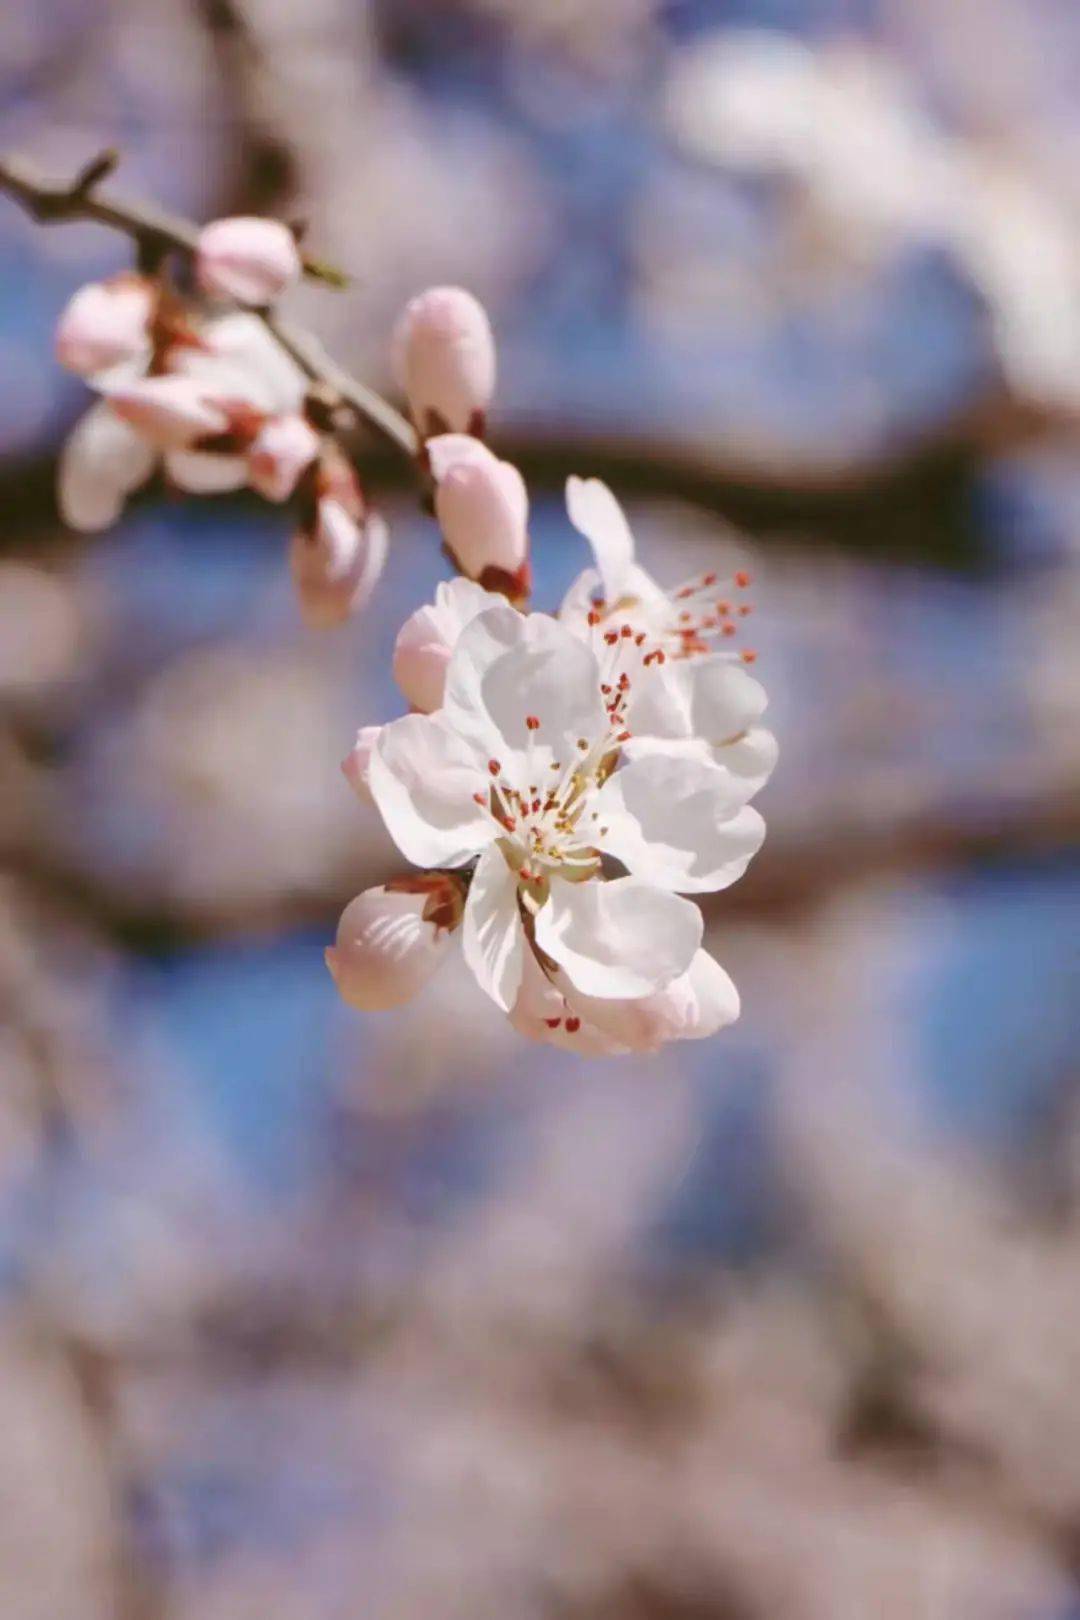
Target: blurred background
x=311 y=1316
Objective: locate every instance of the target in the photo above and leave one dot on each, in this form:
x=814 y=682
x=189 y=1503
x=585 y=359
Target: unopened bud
x=247 y=259
x=105 y=325
x=391 y=939
x=428 y=637
x=483 y=510
x=444 y=355
x=336 y=564
x=281 y=451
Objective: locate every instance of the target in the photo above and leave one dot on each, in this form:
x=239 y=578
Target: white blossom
x=700 y=702
x=521 y=772
x=248 y=259
x=227 y=383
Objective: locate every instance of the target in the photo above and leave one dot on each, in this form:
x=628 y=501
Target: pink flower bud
x=483 y=510
x=284 y=447
x=336 y=564
x=391 y=939
x=105 y=325
x=357 y=762
x=247 y=259
x=444 y=358
x=428 y=637
x=171 y=412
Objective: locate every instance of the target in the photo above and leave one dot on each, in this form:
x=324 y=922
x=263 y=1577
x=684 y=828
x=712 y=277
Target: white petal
x=725 y=700
x=507 y=667
x=597 y=515
x=697 y=1004
x=624 y=938
x=492 y=936
x=101 y=463
x=357 y=762
x=172 y=411
x=241 y=358
x=423 y=779
x=751 y=758
x=280 y=453
x=661 y=703
x=576 y=605
x=677 y=822
x=200 y=472
x=543 y=1008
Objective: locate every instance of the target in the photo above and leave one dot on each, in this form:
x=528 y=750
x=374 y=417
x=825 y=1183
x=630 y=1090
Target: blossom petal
x=102 y=462
x=678 y=821
x=751 y=757
x=697 y=1004
x=549 y=1011
x=492 y=937
x=239 y=358
x=725 y=700
x=200 y=472
x=507 y=667
x=576 y=605
x=423 y=779
x=624 y=938
x=597 y=515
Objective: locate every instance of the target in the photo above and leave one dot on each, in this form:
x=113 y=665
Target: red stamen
x=742 y=579
x=532 y=722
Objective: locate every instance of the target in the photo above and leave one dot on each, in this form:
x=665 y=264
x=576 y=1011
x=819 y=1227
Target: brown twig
x=158 y=234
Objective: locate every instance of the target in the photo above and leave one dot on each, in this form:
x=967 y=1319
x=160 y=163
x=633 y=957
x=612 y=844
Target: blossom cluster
x=563 y=783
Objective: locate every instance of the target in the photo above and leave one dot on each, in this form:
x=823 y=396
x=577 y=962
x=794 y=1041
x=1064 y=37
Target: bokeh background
x=310 y=1316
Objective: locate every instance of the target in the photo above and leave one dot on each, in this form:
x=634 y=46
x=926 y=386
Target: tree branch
x=157 y=233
